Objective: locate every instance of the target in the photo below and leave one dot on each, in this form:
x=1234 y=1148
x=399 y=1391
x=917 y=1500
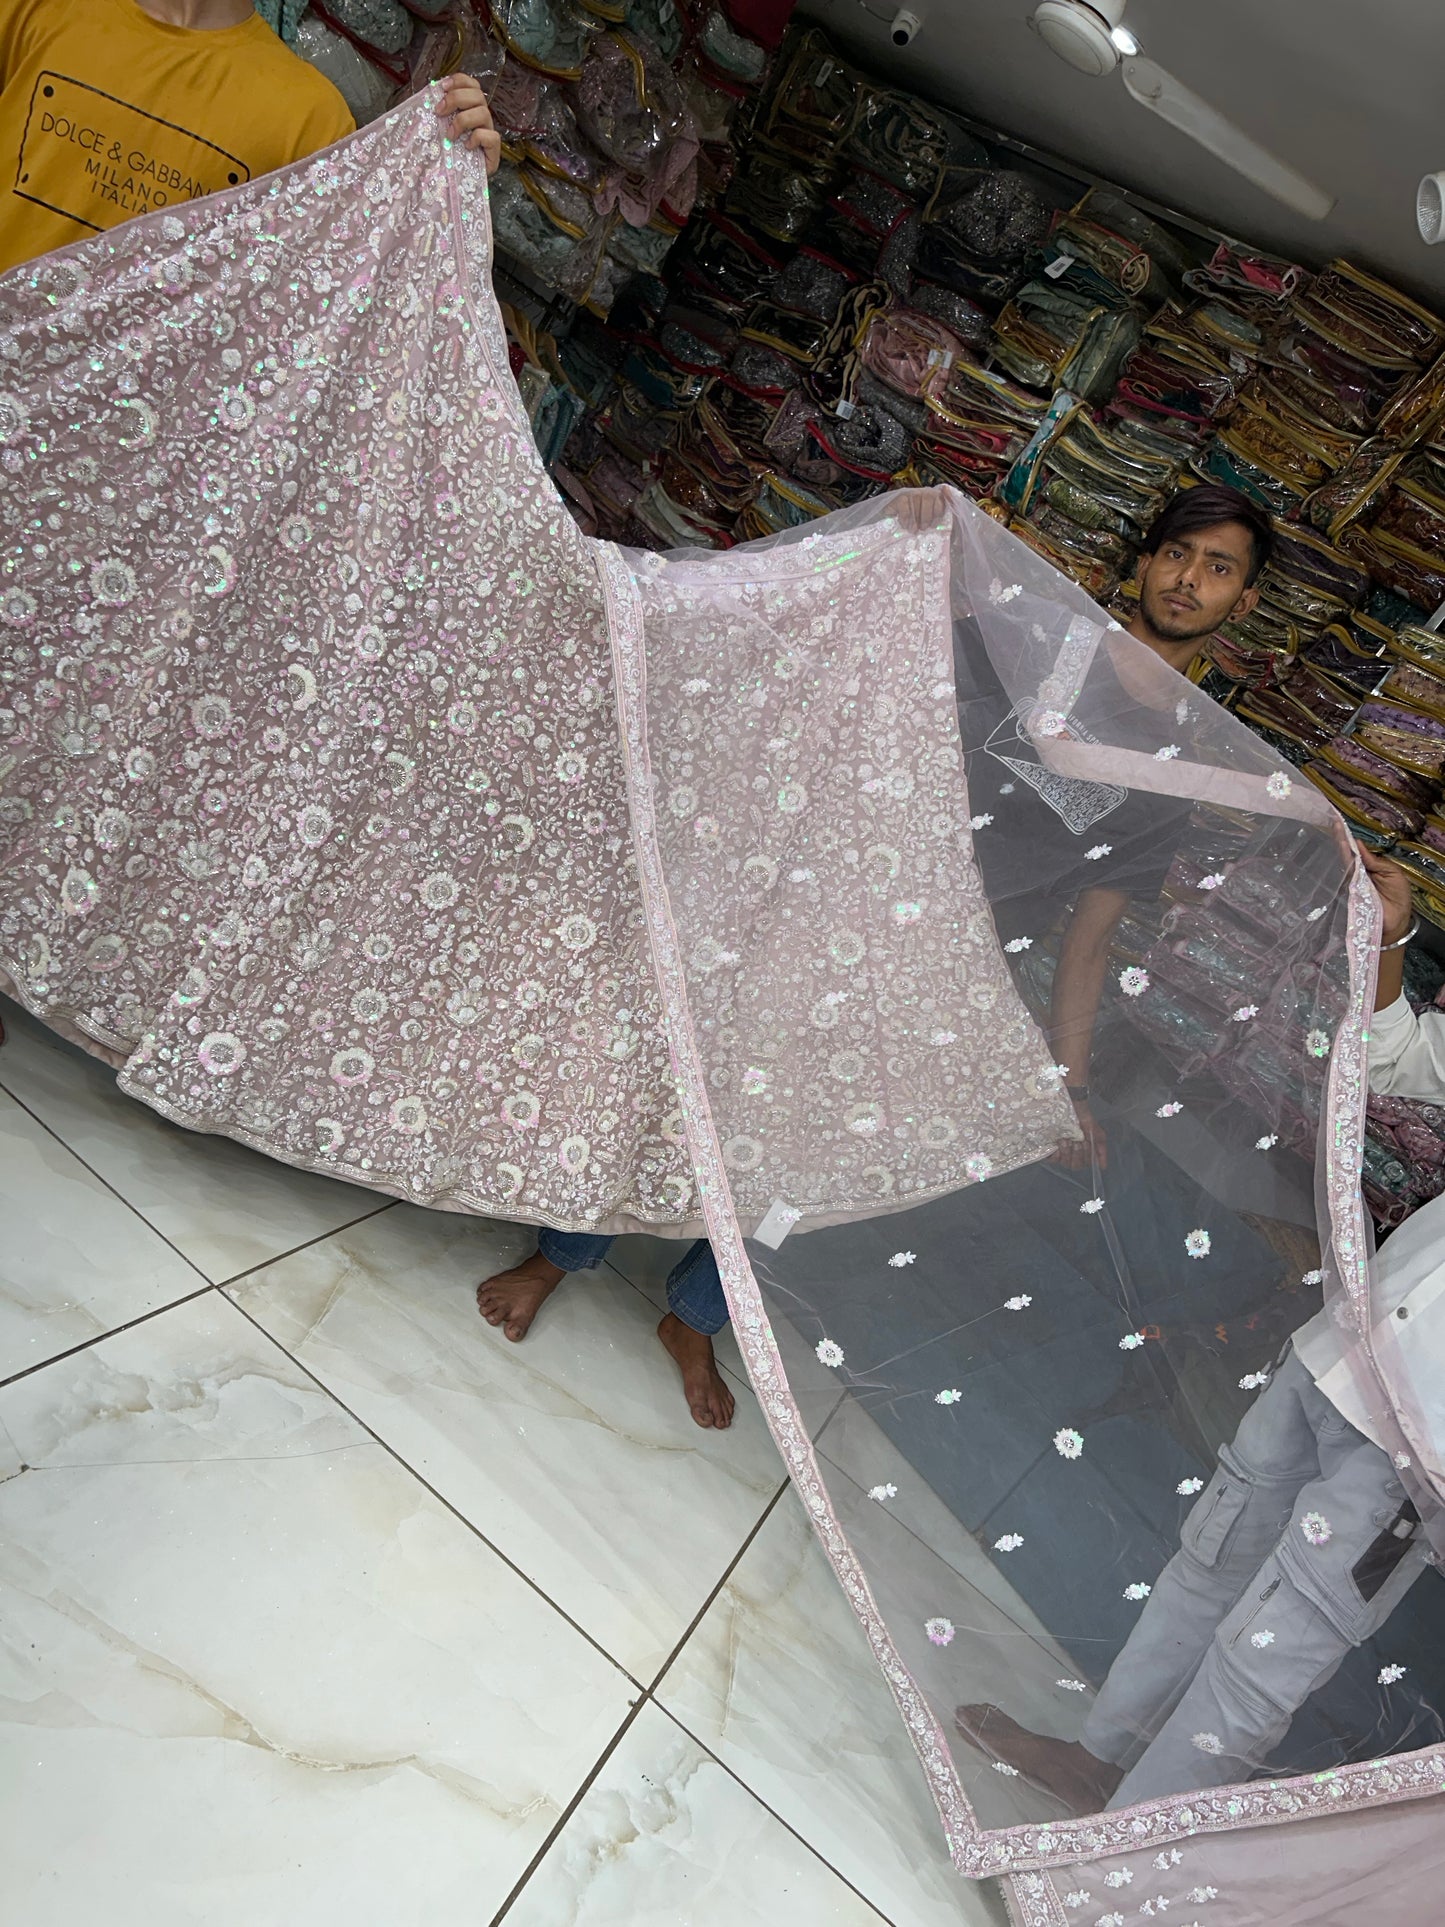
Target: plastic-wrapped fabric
x=733 y=912
x=383 y=24
x=366 y=90
x=547 y=34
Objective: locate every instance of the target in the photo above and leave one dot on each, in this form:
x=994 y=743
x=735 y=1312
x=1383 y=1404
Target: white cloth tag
x=845 y=410
x=1060 y=267
x=777 y=1224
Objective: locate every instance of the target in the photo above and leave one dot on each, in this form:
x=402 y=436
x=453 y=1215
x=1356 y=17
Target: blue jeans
x=694 y=1290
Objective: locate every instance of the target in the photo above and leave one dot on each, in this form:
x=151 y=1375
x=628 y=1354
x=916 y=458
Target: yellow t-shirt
x=106 y=113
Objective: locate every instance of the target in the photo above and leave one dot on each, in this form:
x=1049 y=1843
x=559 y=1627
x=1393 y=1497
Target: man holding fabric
x=111 y=109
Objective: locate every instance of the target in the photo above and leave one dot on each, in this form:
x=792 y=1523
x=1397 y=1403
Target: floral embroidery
x=1019 y=1303
x=1167 y=754
x=1402 y=1461
x=1262 y=1638
x=1002 y=1766
x=1389 y=1674
x=947 y=1398
x=1253 y=1381
x=1212 y=882
x=1050 y=723
x=882 y=1493
x=1091 y=1207
x=1010 y=1542
x=1016 y=944
x=1245 y=1012
x=1198 y=1895
x=1072 y=1685
x=1169 y=1110
x=1068 y=1443
x=1186 y=1488
x=1279 y=786
x=1207 y=1742
x=1120 y=1877
x=1133 y=981
x=940 y=1631
x=1266 y=1143
x=1099 y=850
x=1197 y=1244
x=830 y=1353
x=979 y=822
x=1131 y=1341
x=902 y=1258
x=978 y=1166
x=1313 y=1278
x=1313 y=916
x=1137 y=1590
x=1318 y=1043
x=1317 y=1528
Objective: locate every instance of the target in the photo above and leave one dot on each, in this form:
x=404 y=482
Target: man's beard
x=1192 y=626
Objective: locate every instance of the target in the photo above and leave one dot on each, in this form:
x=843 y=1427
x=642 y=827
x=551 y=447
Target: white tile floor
x=325 y=1606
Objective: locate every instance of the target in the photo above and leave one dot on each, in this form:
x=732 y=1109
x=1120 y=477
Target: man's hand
x=1081 y=1154
x=919 y=509
x=1392 y=887
x=464 y=103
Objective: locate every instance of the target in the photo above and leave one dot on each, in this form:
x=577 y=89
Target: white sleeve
x=1407 y=1053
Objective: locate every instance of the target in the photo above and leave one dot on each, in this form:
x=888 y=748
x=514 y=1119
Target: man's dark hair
x=1193 y=509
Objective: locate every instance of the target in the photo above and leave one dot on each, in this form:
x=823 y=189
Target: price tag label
x=777 y=1224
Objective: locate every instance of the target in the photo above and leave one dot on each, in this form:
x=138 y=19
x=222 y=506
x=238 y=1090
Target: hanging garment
x=354 y=805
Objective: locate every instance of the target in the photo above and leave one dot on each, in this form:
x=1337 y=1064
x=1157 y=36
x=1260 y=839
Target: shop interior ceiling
x=1349 y=92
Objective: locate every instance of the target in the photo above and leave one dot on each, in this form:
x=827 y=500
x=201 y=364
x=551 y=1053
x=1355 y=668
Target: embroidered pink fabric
x=354 y=805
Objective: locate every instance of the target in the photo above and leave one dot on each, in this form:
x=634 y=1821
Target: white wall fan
x=1091 y=36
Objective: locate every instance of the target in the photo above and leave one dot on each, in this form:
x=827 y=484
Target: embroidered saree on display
x=356 y=806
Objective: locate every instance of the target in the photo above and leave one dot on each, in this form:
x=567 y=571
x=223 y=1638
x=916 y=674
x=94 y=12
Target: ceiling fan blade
x=1162 y=94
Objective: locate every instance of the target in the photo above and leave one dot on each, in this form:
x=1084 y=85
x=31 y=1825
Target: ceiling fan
x=1091 y=36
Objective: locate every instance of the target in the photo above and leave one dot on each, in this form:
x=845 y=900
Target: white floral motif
x=1068 y=1443
x=1020 y=1302
x=1245 y=1012
x=1313 y=916
x=1050 y=723
x=1072 y=1685
x=1016 y=944
x=1167 y=754
x=902 y=1258
x=1317 y=1043
x=1120 y=1877
x=1009 y=1542
x=1169 y=1110
x=1389 y=1674
x=978 y=1166
x=1099 y=850
x=1197 y=1244
x=979 y=822
x=1279 y=785
x=1207 y=1742
x=882 y=1493
x=1091 y=1207
x=1111 y=1920
x=1266 y=1143
x=1080 y=1897
x=1133 y=981
x=1317 y=1528
x=1131 y=1341
x=947 y=1398
x=1186 y=1488
x=1401 y=1461
x=1003 y=1767
x=1137 y=1590
x=1198 y=1895
x=940 y=1631
x=1313 y=1278
x=1213 y=882
x=1264 y=1637
x=1164 y=1861
x=830 y=1353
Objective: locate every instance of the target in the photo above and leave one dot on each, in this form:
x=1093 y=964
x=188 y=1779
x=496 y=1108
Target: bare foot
x=513 y=1298
x=703 y=1385
x=1063 y=1768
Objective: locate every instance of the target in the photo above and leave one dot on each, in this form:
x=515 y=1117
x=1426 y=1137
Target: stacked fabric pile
x=616 y=115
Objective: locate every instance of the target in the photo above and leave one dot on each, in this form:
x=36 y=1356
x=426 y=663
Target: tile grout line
x=440 y=1497
x=645 y=1698
x=104 y=1182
